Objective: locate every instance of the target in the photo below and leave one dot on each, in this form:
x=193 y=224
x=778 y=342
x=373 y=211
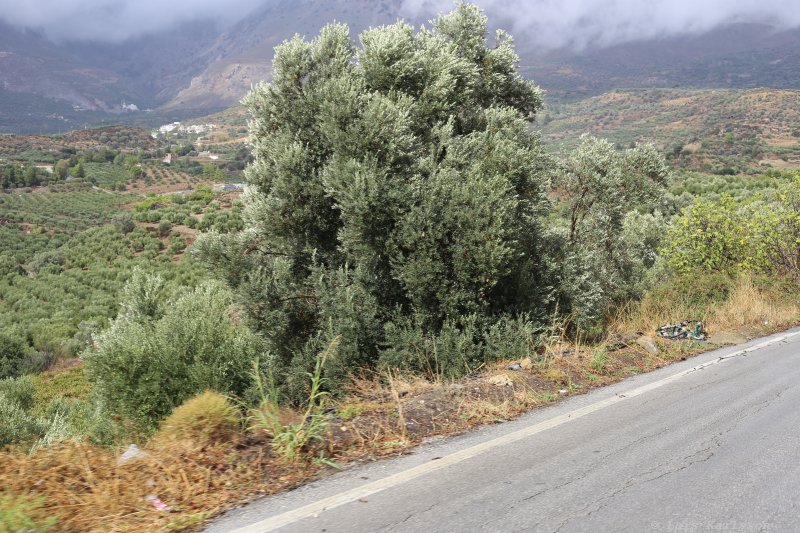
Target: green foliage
x=708 y=236
x=180 y=209
x=156 y=353
x=712 y=187
x=63 y=212
x=20 y=391
x=610 y=204
x=460 y=347
x=17 y=397
x=12 y=357
x=75 y=279
x=395 y=180
x=22 y=513
x=599 y=361
x=295 y=439
x=757 y=234
x=42 y=409
x=124 y=223
x=451 y=352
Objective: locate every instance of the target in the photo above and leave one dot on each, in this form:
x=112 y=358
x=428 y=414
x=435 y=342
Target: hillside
x=723 y=131
x=741 y=56
x=245 y=51
x=199 y=67
x=114 y=137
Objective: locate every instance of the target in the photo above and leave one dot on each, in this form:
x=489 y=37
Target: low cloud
x=116 y=20
x=547 y=23
x=580 y=23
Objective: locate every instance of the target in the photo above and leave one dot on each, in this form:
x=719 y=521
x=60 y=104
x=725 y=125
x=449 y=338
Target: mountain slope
x=198 y=67
x=716 y=130
x=735 y=56
x=245 y=51
x=31 y=65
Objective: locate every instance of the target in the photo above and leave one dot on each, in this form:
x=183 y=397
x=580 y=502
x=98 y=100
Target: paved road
x=712 y=449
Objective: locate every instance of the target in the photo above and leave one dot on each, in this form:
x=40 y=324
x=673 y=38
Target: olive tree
x=611 y=201
x=396 y=187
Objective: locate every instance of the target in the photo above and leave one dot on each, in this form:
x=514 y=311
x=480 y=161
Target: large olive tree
x=397 y=190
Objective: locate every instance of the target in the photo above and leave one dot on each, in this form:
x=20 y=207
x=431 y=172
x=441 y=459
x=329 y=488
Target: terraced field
x=718 y=131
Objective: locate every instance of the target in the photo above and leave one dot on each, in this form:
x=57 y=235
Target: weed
x=191 y=521
x=751 y=306
x=599 y=360
x=401 y=419
x=294 y=440
x=556 y=375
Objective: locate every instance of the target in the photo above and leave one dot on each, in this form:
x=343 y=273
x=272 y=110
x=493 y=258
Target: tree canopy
x=396 y=199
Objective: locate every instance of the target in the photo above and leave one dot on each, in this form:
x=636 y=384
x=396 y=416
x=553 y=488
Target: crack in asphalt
x=592 y=467
x=601 y=503
x=391 y=527
x=715 y=443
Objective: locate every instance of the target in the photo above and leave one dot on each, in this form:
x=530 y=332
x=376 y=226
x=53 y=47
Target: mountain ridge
x=199 y=67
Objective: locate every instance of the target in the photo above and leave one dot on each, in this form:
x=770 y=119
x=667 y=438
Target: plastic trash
x=688 y=329
x=133 y=453
x=156 y=502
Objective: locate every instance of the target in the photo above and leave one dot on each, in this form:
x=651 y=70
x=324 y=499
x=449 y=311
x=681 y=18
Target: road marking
x=313 y=509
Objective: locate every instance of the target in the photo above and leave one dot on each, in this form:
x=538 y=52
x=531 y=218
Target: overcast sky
x=550 y=23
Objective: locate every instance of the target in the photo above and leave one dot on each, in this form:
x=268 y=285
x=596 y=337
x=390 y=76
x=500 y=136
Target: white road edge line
x=313 y=509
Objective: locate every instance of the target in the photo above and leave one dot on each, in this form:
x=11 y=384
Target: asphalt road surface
x=708 y=444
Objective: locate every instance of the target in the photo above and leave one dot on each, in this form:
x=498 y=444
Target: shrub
x=394 y=181
x=205 y=419
x=708 y=236
x=16 y=396
x=756 y=234
x=124 y=223
x=164 y=227
x=398 y=199
x=157 y=354
x=12 y=357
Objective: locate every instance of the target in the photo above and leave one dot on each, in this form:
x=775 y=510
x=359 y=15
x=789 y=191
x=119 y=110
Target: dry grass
x=649 y=314
x=747 y=306
x=205 y=419
x=751 y=307
x=88 y=491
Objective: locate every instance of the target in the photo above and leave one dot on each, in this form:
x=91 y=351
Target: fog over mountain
x=68 y=63
x=552 y=24
x=548 y=23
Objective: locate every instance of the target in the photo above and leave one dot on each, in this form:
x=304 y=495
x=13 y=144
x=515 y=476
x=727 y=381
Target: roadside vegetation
x=408 y=260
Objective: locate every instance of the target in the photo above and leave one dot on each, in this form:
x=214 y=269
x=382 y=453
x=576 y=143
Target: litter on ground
x=688 y=329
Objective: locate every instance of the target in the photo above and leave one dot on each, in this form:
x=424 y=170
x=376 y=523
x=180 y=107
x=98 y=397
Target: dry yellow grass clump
x=205 y=419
